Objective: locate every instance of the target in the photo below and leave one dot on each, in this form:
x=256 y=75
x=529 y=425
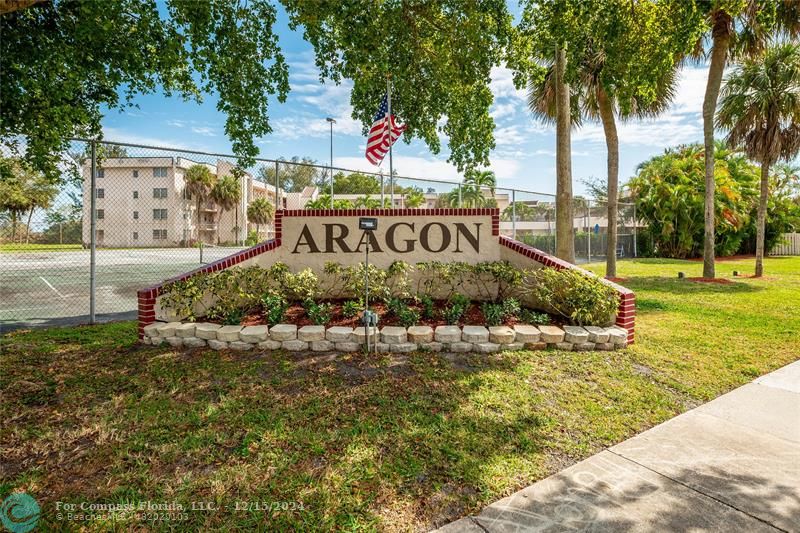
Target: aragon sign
x=310 y=239
x=399 y=237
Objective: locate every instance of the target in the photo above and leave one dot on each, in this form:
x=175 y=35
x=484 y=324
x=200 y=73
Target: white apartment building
x=143 y=202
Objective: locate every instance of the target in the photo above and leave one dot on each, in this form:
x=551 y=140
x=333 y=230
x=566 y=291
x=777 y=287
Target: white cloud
x=502 y=85
x=204 y=130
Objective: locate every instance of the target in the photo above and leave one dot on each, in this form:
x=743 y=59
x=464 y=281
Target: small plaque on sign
x=367 y=224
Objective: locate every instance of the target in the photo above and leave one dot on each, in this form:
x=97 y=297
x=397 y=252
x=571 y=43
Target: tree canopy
x=439 y=55
x=63 y=62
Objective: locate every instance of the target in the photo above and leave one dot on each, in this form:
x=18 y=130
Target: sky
x=524 y=157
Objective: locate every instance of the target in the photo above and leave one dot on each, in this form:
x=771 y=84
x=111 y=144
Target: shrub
x=492 y=313
x=579 y=298
x=351 y=308
x=456 y=307
x=301 y=286
x=252 y=238
x=530 y=316
x=511 y=308
x=233 y=317
x=274 y=308
x=427 y=306
x=408 y=317
x=319 y=313
x=395 y=306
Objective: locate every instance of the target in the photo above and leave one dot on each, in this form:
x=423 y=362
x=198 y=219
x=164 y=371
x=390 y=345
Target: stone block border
x=389 y=339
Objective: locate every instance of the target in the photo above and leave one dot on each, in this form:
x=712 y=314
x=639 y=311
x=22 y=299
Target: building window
x=136 y=194
x=101 y=173
x=136 y=215
x=160 y=172
x=135 y=173
x=100 y=234
x=135 y=235
x=101 y=193
x=160 y=193
x=159 y=214
x=101 y=213
x=159 y=234
x=186 y=194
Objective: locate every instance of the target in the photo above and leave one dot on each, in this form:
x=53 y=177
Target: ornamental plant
x=579 y=298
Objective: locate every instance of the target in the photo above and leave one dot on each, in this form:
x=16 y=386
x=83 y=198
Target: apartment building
x=298 y=200
x=143 y=202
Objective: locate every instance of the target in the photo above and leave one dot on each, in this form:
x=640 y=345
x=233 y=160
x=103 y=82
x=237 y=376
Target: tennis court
x=52 y=288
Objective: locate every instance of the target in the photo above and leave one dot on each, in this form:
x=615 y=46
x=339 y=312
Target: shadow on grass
x=361 y=442
x=612 y=494
x=685 y=286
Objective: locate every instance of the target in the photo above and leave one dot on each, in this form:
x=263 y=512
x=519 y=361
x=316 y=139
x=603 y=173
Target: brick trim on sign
x=147 y=297
x=626 y=312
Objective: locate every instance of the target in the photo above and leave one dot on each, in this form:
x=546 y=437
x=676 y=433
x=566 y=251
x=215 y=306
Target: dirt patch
x=720 y=281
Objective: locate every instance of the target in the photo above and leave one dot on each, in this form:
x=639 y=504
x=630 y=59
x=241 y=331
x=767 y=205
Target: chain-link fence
x=126 y=216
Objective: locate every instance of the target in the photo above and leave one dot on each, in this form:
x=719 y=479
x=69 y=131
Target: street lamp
x=332 y=122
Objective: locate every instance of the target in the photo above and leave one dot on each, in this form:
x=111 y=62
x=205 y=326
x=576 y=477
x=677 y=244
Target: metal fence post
x=634 y=230
x=92 y=234
x=589 y=230
x=383 y=204
x=513 y=213
x=459 y=195
x=278 y=202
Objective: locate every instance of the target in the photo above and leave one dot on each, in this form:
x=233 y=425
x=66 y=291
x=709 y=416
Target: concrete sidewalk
x=732 y=464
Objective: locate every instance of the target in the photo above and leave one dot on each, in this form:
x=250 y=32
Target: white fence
x=790 y=245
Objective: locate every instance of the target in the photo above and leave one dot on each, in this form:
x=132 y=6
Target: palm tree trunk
x=28 y=227
x=719 y=56
x=219 y=222
x=762 y=219
x=198 y=219
x=565 y=242
x=612 y=149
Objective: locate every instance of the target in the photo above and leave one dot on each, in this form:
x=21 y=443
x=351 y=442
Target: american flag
x=379 y=140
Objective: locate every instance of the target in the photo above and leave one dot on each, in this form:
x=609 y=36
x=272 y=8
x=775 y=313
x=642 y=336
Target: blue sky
x=524 y=157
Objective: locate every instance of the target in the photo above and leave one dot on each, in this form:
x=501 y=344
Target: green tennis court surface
x=42 y=288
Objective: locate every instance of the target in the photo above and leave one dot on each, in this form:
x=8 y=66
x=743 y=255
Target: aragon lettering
x=400 y=238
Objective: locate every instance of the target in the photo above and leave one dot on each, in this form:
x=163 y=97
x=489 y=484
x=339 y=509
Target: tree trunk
x=198 y=220
x=565 y=245
x=28 y=227
x=612 y=148
x=219 y=222
x=13 y=226
x=719 y=56
x=762 y=219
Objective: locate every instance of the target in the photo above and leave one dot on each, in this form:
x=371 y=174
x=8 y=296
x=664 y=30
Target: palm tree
x=596 y=98
x=481 y=179
x=260 y=211
x=760 y=108
x=226 y=193
x=414 y=198
x=199 y=183
x=565 y=243
x=750 y=39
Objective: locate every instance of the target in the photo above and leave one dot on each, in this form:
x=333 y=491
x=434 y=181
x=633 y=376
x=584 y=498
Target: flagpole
x=389 y=118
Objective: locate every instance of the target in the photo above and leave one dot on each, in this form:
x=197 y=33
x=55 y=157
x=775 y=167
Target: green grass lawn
x=22 y=248
x=366 y=442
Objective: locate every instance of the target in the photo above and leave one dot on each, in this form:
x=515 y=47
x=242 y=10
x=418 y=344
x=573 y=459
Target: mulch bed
x=296 y=314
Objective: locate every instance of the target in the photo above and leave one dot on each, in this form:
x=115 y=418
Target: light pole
x=332 y=122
